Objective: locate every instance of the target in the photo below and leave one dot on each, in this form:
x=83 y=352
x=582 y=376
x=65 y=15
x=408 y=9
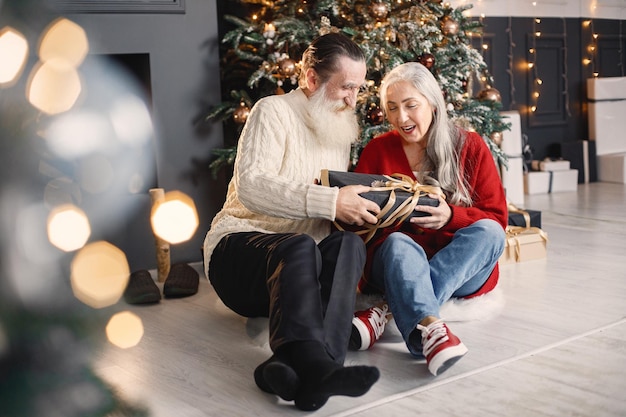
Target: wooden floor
x=558 y=348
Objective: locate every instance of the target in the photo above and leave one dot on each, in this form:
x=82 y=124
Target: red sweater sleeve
x=481 y=174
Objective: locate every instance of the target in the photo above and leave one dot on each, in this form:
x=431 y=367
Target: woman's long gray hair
x=445 y=140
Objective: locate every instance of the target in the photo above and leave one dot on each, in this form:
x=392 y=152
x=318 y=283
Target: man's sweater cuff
x=322 y=202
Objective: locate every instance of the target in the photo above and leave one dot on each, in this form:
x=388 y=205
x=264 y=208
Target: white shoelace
x=379 y=323
x=432 y=336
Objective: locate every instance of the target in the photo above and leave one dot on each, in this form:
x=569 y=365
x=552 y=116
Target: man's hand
x=354 y=209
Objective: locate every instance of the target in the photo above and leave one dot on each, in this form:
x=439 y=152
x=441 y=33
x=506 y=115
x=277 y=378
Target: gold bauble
x=287 y=67
x=496 y=137
x=449 y=26
x=240 y=115
x=490 y=94
x=379 y=10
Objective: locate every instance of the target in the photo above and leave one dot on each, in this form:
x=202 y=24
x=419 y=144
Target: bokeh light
x=131 y=120
x=124 y=330
x=175 y=219
x=64 y=40
x=99 y=274
x=79 y=133
x=68 y=228
x=54 y=86
x=13 y=54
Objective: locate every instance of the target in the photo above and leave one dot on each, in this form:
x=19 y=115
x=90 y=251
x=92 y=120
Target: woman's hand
x=439 y=216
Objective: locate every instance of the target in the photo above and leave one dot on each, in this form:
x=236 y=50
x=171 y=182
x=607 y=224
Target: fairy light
x=509 y=70
x=590 y=60
x=484 y=46
x=532 y=65
x=565 y=70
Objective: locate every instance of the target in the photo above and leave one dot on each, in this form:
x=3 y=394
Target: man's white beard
x=334 y=122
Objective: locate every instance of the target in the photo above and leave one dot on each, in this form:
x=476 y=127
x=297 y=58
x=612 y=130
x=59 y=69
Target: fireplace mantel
x=121 y=6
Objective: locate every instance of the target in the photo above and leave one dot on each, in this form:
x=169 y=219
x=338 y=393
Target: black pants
x=307 y=290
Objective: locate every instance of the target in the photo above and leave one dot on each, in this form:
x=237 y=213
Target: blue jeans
x=416 y=287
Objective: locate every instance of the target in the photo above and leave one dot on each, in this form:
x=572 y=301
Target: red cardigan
x=384 y=155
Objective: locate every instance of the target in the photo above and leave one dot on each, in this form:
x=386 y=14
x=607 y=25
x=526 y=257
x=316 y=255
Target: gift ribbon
x=514 y=209
x=395 y=182
x=512 y=237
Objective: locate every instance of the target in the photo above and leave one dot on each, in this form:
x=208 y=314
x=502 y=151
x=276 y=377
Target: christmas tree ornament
x=269 y=32
x=287 y=67
x=240 y=115
x=375 y=115
x=427 y=60
x=490 y=94
x=379 y=11
x=449 y=26
x=391 y=35
x=496 y=137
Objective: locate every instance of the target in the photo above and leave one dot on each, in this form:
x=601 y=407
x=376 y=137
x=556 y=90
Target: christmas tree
x=265 y=47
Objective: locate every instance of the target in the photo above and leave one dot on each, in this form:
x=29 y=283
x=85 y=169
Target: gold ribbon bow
x=395 y=182
x=513 y=240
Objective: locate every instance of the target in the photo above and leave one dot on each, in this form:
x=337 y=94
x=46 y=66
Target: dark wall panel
x=561 y=114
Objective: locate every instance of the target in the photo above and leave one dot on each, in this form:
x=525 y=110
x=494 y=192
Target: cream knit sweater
x=272 y=189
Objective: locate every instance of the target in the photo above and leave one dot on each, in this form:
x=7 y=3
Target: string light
x=590 y=60
x=532 y=65
x=509 y=70
x=565 y=70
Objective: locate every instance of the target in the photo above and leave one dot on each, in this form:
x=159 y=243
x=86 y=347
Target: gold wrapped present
x=524 y=244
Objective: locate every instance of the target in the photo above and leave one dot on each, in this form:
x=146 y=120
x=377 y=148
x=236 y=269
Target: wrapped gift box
x=550 y=165
x=537 y=182
x=524 y=244
x=339 y=179
x=512 y=139
x=606 y=109
x=612 y=168
x=524 y=218
x=582 y=156
x=563 y=180
x=513 y=180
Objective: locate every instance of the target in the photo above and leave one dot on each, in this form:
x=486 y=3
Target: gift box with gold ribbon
x=524 y=218
x=524 y=244
x=396 y=195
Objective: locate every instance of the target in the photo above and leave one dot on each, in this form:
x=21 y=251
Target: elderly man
x=270 y=251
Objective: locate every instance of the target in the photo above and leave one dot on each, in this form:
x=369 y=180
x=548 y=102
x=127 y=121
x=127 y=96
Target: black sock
x=352 y=381
x=277 y=377
x=321 y=377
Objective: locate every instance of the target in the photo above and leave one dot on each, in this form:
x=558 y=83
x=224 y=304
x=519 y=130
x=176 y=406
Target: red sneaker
x=367 y=327
x=441 y=347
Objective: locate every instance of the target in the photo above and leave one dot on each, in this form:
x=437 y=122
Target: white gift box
x=512 y=139
x=606 y=88
x=550 y=165
x=537 y=182
x=612 y=168
x=606 y=110
x=513 y=180
x=563 y=180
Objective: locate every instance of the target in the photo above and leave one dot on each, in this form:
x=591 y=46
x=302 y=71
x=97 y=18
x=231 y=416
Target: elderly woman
x=454 y=251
